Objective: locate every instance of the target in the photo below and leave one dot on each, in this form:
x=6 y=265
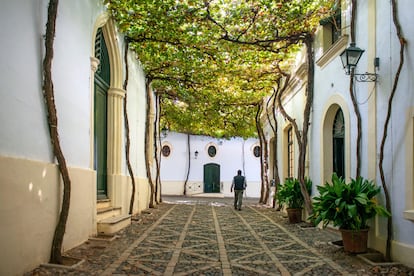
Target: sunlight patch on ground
x=197 y=201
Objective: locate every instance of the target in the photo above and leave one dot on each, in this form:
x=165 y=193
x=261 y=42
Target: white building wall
x=376 y=34
x=20 y=70
x=396 y=149
x=136 y=116
x=229 y=156
x=29 y=180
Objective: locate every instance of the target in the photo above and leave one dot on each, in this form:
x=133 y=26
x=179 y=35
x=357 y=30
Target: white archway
x=334 y=103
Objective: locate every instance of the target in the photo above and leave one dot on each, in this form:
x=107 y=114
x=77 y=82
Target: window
x=290 y=153
x=336 y=26
x=212 y=151
x=331 y=41
x=256 y=151
x=331 y=28
x=338 y=135
x=166 y=150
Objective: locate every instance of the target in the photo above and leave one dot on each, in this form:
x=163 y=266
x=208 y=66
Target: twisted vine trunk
x=302 y=138
x=147 y=147
x=265 y=164
x=126 y=124
x=353 y=98
x=48 y=94
x=157 y=150
x=274 y=129
x=306 y=118
x=276 y=165
x=263 y=174
x=359 y=124
x=387 y=120
x=189 y=165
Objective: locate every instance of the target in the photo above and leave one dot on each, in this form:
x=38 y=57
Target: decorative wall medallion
x=212 y=151
x=256 y=151
x=166 y=150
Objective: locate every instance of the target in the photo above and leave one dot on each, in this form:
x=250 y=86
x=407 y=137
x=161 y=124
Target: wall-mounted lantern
x=164 y=132
x=195 y=154
x=350 y=57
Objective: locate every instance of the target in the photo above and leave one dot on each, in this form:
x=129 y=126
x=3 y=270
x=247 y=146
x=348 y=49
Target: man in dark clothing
x=239 y=185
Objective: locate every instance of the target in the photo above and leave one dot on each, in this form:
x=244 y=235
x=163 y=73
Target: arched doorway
x=101 y=87
x=335 y=140
x=212 y=178
x=107 y=94
x=338 y=144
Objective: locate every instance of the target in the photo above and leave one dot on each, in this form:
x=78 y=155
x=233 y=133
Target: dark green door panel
x=100 y=138
x=101 y=85
x=211 y=178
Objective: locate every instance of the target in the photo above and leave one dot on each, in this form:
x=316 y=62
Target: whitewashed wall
x=229 y=156
x=29 y=181
x=388 y=48
x=375 y=33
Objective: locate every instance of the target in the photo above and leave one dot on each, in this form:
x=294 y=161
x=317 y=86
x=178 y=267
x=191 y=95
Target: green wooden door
x=338 y=135
x=211 y=178
x=101 y=138
x=101 y=86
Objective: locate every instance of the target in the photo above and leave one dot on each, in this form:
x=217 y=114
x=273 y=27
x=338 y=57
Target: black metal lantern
x=164 y=132
x=350 y=57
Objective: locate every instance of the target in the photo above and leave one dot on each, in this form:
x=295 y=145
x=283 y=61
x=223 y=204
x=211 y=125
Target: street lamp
x=164 y=132
x=350 y=57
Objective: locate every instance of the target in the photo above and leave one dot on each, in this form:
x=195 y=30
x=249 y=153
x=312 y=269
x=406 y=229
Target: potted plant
x=348 y=206
x=290 y=195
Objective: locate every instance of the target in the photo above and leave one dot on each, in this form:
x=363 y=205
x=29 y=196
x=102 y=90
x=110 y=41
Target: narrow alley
x=206 y=236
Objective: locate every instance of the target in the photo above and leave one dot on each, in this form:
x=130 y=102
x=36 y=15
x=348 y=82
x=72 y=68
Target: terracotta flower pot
x=355 y=241
x=294 y=215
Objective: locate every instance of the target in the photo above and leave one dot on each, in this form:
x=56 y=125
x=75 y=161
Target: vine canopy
x=212 y=62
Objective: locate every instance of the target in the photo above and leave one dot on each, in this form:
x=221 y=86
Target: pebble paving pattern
x=205 y=237
x=215 y=240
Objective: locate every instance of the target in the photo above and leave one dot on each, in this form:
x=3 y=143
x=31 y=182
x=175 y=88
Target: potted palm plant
x=291 y=196
x=348 y=206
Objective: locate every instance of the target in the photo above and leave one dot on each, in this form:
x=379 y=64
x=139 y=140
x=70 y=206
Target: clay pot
x=355 y=241
x=294 y=215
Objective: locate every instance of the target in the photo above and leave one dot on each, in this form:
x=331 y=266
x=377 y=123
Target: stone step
x=107 y=212
x=103 y=203
x=111 y=225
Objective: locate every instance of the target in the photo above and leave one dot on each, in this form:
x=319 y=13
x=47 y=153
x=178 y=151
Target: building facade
x=209 y=163
x=333 y=124
x=88 y=72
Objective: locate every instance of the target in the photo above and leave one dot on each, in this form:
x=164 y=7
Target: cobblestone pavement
x=190 y=236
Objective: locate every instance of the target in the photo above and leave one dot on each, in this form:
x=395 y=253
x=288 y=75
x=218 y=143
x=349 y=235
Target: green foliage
x=347 y=205
x=212 y=62
x=290 y=194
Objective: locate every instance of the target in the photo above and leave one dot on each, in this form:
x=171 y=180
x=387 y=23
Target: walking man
x=239 y=184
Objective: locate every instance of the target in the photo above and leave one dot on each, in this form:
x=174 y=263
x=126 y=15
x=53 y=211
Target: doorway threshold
x=213 y=195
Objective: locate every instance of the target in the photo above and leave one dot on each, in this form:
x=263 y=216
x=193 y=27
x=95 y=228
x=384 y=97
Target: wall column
x=115 y=129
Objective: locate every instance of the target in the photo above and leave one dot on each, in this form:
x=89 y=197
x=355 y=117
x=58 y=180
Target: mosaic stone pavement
x=206 y=236
x=205 y=239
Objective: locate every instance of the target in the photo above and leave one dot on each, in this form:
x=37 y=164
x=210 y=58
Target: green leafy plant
x=290 y=194
x=347 y=205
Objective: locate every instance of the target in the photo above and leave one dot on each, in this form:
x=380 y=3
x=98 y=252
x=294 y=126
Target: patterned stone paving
x=211 y=240
x=209 y=237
